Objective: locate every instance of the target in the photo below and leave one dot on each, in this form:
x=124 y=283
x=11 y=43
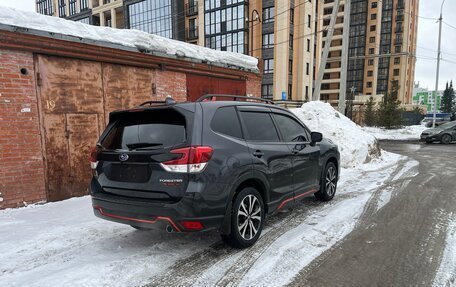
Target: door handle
x=258 y=153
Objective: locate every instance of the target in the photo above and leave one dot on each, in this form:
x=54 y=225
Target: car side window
x=259 y=127
x=226 y=121
x=291 y=130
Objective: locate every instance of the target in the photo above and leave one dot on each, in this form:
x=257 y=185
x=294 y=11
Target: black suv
x=208 y=164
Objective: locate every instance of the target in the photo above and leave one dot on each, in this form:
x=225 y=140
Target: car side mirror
x=316 y=137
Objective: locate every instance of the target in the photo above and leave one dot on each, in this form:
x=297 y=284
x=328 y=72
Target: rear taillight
x=192 y=159
x=94 y=152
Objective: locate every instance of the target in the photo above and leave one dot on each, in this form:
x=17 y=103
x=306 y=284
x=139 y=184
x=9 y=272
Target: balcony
x=191 y=8
x=192 y=33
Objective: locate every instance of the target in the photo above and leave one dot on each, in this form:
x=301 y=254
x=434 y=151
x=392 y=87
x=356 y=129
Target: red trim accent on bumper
x=296 y=197
x=170 y=221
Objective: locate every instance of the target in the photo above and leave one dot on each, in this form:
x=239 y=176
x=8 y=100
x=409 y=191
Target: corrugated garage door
x=198 y=86
x=76 y=97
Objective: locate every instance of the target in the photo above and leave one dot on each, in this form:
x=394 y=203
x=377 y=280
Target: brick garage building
x=56 y=92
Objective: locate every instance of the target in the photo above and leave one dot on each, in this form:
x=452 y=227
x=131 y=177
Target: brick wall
x=253 y=86
x=21 y=158
x=171 y=83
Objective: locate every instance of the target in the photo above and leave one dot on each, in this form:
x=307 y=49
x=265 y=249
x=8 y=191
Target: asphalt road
x=402 y=243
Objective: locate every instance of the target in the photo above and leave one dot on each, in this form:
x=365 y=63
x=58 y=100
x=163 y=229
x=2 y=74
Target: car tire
x=328 y=183
x=446 y=139
x=247 y=216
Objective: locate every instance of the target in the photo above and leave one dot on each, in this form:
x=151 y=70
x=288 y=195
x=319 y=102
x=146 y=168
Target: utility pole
x=344 y=62
x=439 y=52
x=324 y=59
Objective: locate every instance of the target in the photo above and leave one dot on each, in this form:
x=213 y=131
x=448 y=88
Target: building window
x=72 y=5
x=309 y=21
x=397 y=61
x=62 y=8
x=268 y=66
x=291 y=42
x=44 y=7
x=267 y=91
x=291 y=16
x=371 y=51
x=268 y=15
x=307 y=69
x=374 y=5
x=225 y=25
x=84 y=20
x=374 y=16
x=373 y=28
x=369 y=84
x=372 y=40
x=84 y=5
x=290 y=67
x=290 y=90
x=397 y=49
x=268 y=40
x=152 y=16
x=370 y=62
x=307 y=93
x=396 y=72
x=308 y=45
x=370 y=73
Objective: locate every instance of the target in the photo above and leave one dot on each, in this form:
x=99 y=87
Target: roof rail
x=168 y=101
x=210 y=96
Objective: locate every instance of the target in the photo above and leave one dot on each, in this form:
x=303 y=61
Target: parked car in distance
x=445 y=133
x=204 y=165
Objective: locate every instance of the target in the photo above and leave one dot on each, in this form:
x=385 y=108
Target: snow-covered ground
x=446 y=274
x=405 y=133
x=64 y=244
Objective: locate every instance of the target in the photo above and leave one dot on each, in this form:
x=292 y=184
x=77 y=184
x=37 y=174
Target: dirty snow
x=140 y=41
x=405 y=133
x=446 y=274
x=355 y=145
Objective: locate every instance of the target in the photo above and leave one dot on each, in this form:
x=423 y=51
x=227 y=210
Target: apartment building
x=381 y=51
x=278 y=32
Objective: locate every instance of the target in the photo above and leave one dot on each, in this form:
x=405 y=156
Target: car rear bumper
x=170 y=216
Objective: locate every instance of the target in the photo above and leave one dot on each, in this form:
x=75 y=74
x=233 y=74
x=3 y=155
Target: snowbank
x=406 y=133
x=136 y=39
x=355 y=145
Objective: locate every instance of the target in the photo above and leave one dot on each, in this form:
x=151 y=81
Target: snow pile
x=405 y=133
x=355 y=145
x=136 y=39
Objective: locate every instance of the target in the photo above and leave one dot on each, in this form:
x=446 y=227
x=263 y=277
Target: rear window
x=147 y=130
x=259 y=127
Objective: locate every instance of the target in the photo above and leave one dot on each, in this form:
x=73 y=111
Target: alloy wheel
x=249 y=217
x=331 y=181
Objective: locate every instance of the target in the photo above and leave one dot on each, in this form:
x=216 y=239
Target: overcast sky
x=427 y=40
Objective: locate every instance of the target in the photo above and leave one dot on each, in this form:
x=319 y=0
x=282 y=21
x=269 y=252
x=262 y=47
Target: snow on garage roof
x=127 y=39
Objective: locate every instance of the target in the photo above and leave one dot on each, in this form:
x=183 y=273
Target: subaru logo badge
x=123 y=157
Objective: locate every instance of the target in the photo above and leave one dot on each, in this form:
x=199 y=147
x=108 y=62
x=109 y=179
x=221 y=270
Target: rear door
x=305 y=155
x=133 y=148
x=270 y=156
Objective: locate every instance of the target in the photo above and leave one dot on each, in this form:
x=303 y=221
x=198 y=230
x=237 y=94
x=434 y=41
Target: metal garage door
x=76 y=96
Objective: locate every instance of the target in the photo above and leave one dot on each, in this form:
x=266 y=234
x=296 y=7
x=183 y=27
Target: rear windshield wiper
x=143 y=145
